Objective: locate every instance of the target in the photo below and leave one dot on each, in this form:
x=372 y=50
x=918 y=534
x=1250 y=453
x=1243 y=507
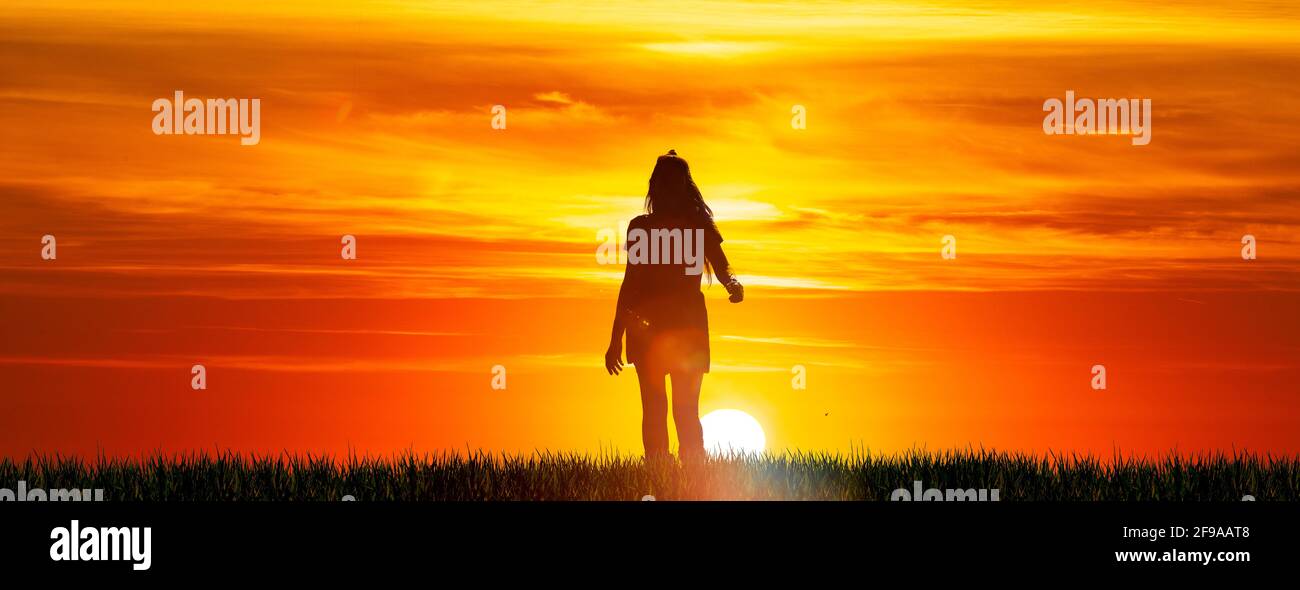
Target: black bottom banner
x=529 y=540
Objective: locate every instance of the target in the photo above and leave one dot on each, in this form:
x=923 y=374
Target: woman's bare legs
x=654 y=412
x=686 y=414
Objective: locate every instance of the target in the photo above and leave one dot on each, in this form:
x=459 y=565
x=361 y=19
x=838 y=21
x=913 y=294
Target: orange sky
x=476 y=246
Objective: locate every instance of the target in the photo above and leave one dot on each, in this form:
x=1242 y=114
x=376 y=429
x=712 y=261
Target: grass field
x=544 y=476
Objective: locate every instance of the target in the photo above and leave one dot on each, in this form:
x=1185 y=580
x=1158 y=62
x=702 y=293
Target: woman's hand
x=736 y=290
x=614 y=357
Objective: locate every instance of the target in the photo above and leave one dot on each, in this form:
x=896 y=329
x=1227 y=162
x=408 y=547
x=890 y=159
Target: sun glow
x=732 y=432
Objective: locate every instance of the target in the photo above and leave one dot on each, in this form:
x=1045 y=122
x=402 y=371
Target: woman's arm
x=722 y=269
x=614 y=354
x=616 y=333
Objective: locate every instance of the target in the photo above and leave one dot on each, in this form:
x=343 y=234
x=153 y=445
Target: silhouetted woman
x=661 y=309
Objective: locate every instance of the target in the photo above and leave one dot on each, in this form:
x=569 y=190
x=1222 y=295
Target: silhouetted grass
x=568 y=476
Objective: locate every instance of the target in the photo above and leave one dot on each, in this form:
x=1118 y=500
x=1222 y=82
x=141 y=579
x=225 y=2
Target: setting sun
x=728 y=432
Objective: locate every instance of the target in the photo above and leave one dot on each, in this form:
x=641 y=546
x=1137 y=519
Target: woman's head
x=673 y=191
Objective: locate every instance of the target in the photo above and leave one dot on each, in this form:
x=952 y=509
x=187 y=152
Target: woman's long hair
x=673 y=192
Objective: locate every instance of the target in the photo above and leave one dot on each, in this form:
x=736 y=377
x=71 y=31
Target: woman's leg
x=654 y=412
x=686 y=413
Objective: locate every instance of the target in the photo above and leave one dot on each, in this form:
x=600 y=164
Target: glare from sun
x=709 y=48
x=732 y=432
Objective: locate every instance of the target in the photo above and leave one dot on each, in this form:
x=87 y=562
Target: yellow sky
x=922 y=121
